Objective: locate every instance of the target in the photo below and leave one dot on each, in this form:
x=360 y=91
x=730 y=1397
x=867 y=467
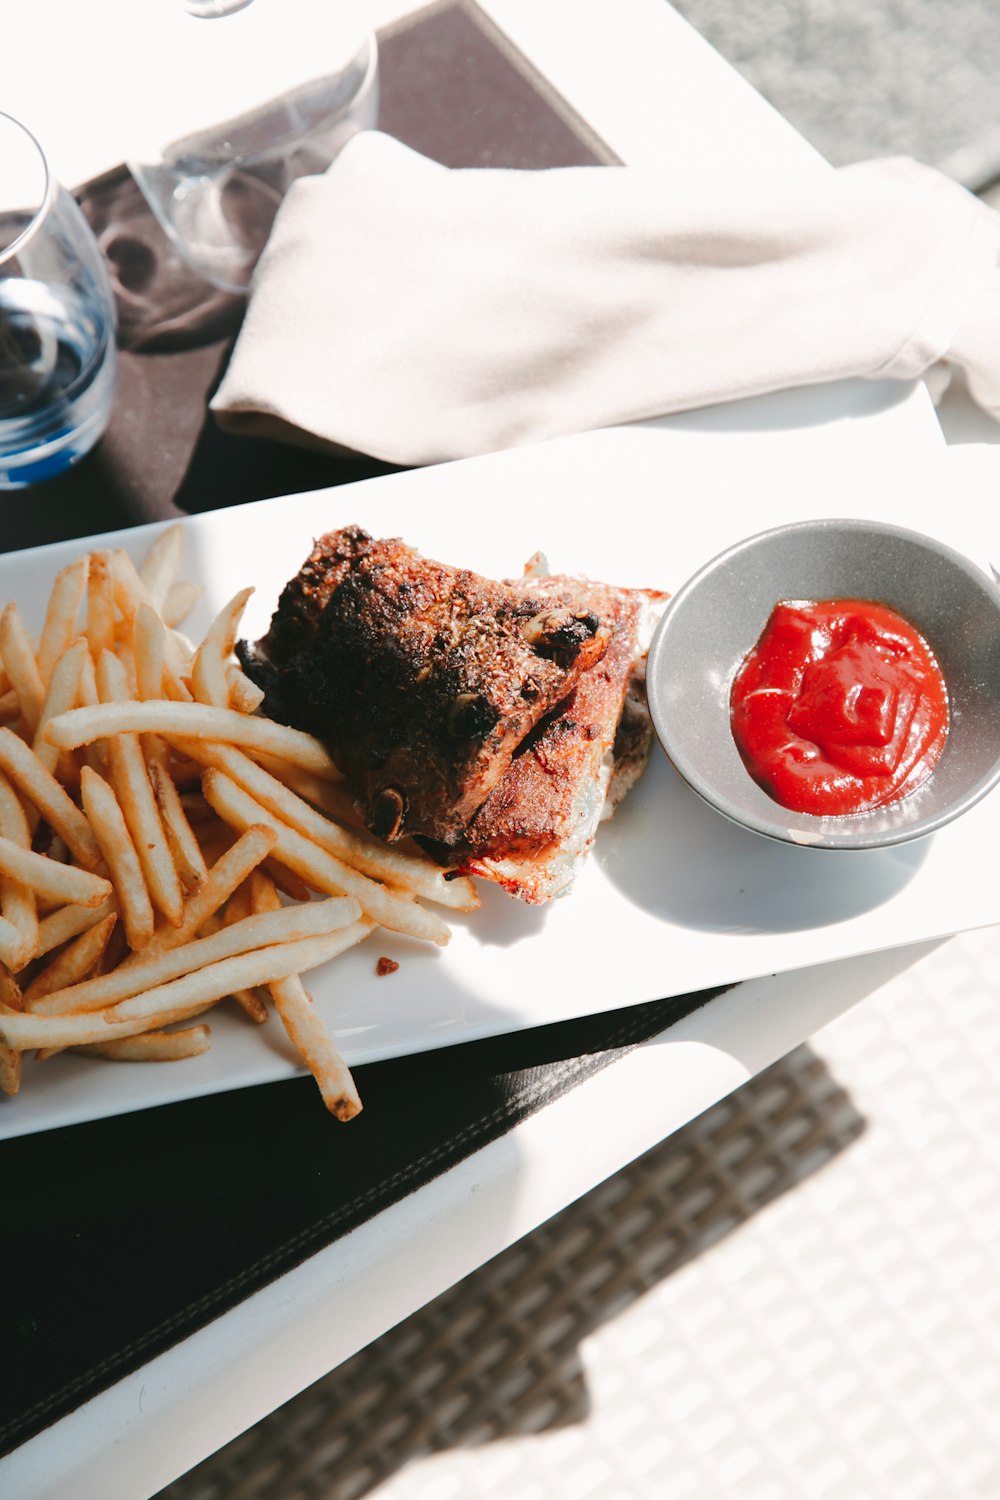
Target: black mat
x=124 y=1235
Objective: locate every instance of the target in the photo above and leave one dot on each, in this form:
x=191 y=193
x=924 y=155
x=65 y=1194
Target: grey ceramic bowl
x=719 y=614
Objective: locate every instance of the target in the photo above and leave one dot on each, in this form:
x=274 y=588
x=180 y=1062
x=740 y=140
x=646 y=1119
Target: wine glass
x=57 y=320
x=265 y=91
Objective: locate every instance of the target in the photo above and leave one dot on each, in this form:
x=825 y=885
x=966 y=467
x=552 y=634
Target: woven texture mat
x=793 y=1298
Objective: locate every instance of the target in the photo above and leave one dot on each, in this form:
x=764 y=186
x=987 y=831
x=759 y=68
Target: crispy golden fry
x=320 y=869
x=306 y=1031
x=134 y=791
x=149 y=651
x=410 y=872
x=181 y=998
x=231 y=869
x=9 y=706
x=45 y=793
x=21 y=667
x=67 y=922
x=10 y=1071
x=179 y=603
x=73 y=964
x=17 y=902
x=50 y=878
x=209 y=682
x=10 y=991
x=186 y=720
x=129 y=589
x=286 y=880
x=184 y=846
x=295 y=777
x=63 y=693
x=258 y=930
x=62 y=615
x=124 y=865
x=100 y=604
x=152 y=1046
x=245 y=696
x=161 y=565
x=130 y=593
x=251 y=1001
x=10 y=1061
x=51 y=1034
x=216 y=980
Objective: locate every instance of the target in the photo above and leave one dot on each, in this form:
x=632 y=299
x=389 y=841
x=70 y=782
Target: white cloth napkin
x=419 y=314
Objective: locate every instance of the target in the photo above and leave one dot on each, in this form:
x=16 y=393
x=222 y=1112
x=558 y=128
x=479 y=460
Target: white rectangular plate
x=673 y=898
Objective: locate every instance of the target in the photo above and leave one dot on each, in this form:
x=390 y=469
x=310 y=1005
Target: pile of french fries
x=163 y=847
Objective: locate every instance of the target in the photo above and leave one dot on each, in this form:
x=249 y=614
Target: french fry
x=10 y=1061
x=17 y=901
x=67 y=922
x=152 y=1046
x=134 y=791
x=320 y=869
x=10 y=991
x=297 y=778
x=216 y=980
x=250 y=1001
x=100 y=629
x=409 y=872
x=184 y=846
x=149 y=651
x=62 y=693
x=288 y=924
x=180 y=601
x=51 y=799
x=209 y=681
x=245 y=696
x=48 y=877
x=118 y=848
x=73 y=964
x=129 y=589
x=190 y=720
x=26 y=1032
x=161 y=565
x=229 y=871
x=286 y=880
x=306 y=1031
x=62 y=614
x=21 y=667
x=178 y=999
x=130 y=593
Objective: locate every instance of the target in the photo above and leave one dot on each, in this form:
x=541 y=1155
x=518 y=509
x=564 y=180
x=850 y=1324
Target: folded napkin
x=418 y=314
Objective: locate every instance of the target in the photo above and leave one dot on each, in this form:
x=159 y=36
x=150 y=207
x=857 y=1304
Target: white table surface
x=648 y=84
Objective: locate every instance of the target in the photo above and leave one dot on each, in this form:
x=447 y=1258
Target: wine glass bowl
x=57 y=320
x=237 y=136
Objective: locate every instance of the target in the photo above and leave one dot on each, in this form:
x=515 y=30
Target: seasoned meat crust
x=423 y=679
x=539 y=822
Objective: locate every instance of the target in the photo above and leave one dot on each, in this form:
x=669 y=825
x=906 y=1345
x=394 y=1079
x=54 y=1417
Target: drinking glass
x=265 y=91
x=57 y=320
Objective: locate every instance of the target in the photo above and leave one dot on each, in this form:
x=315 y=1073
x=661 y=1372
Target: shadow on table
x=498 y=1356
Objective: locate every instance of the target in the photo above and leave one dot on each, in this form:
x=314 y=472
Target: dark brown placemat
x=127 y=1234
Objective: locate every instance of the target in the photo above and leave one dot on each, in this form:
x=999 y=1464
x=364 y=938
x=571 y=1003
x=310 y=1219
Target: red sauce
x=840 y=707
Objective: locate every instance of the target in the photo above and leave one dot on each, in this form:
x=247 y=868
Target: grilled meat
x=423 y=679
x=539 y=822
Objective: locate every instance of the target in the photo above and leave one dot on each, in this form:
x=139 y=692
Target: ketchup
x=840 y=707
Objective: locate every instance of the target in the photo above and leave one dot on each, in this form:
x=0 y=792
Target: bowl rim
x=840 y=838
